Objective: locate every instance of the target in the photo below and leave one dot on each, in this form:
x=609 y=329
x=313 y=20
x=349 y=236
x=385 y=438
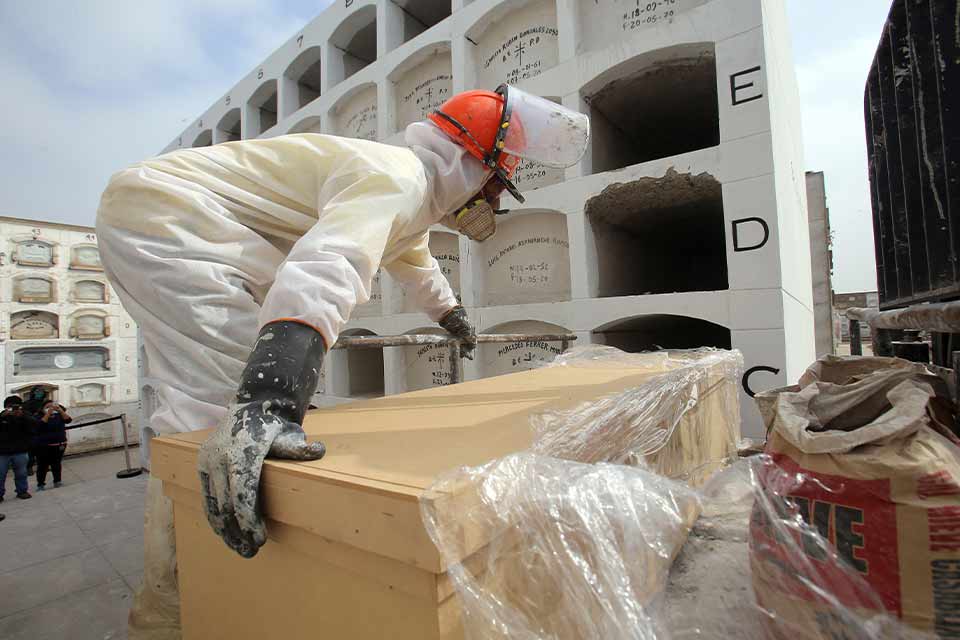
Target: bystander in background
x=51 y=443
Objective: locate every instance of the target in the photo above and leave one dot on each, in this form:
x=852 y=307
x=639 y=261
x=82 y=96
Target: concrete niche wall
x=228 y=128
x=374 y=306
x=656 y=105
x=659 y=235
x=654 y=332
x=604 y=23
x=359 y=372
x=424 y=83
x=528 y=260
x=426 y=366
x=302 y=80
x=262 y=109
x=499 y=359
x=355 y=116
x=310 y=124
x=514 y=42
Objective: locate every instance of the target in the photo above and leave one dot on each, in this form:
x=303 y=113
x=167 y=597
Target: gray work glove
x=458 y=324
x=275 y=389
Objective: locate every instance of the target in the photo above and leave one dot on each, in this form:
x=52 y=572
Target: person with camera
x=51 y=443
x=17 y=429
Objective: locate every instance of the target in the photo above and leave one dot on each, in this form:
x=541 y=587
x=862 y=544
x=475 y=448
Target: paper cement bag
x=863 y=454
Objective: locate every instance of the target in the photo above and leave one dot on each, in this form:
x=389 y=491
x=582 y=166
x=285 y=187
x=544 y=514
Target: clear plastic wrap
x=563 y=543
x=538 y=547
x=684 y=421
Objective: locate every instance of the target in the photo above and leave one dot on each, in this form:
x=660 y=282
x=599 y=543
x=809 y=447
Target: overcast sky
x=90 y=86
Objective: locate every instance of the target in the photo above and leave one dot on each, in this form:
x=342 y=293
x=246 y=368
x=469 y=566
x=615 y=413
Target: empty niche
x=228 y=129
x=34 y=288
x=355 y=44
x=262 y=108
x=656 y=332
x=304 y=76
x=527 y=260
x=514 y=44
x=657 y=105
x=659 y=235
x=203 y=139
x=604 y=23
x=424 y=87
x=85 y=257
x=498 y=359
x=355 y=116
x=364 y=369
x=445 y=247
x=47 y=360
x=311 y=124
x=427 y=365
x=374 y=306
x=420 y=15
x=33 y=325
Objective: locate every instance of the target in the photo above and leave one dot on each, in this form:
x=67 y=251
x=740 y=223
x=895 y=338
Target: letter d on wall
x=736 y=234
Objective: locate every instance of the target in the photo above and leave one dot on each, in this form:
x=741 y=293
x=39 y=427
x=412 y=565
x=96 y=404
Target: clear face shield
x=541 y=131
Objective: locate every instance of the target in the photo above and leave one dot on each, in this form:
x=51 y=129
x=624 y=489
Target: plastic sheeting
x=570 y=546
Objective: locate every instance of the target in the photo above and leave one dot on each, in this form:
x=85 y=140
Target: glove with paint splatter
x=275 y=389
x=458 y=324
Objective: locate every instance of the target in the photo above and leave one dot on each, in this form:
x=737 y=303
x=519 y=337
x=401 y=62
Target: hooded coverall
x=205 y=246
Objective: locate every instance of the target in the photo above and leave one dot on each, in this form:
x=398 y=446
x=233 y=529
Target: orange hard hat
x=476 y=121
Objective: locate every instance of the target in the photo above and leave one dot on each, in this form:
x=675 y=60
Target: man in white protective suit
x=241 y=263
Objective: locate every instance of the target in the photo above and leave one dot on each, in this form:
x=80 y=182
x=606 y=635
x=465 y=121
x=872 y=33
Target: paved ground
x=71 y=557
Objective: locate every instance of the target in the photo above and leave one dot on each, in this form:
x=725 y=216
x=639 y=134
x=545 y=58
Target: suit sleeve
x=418 y=272
x=330 y=269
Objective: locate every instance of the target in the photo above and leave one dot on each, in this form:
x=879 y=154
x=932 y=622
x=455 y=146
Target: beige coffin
x=348 y=557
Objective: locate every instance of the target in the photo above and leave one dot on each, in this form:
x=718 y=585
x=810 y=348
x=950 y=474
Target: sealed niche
x=228 y=129
x=420 y=15
x=364 y=369
x=263 y=107
x=659 y=235
x=35 y=253
x=517 y=45
x=604 y=23
x=33 y=289
x=85 y=256
x=424 y=88
x=656 y=332
x=498 y=359
x=33 y=360
x=527 y=261
x=356 y=115
x=354 y=43
x=445 y=247
x=374 y=306
x=312 y=124
x=89 y=324
x=90 y=291
x=304 y=74
x=90 y=395
x=32 y=325
x=428 y=365
x=657 y=105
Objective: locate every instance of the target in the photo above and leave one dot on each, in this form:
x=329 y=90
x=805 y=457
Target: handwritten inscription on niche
x=531 y=175
x=522 y=55
x=533 y=272
x=611 y=19
x=363 y=124
x=435 y=358
x=428 y=95
x=526 y=355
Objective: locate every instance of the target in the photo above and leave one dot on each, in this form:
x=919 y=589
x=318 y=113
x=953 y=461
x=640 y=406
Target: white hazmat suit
x=205 y=246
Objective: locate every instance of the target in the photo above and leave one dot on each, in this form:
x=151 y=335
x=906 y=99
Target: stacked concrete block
x=62 y=328
x=684 y=225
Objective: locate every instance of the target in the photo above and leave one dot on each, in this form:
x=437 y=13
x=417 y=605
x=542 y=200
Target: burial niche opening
x=263 y=105
x=228 y=129
x=364 y=369
x=420 y=15
x=656 y=332
x=304 y=71
x=659 y=235
x=355 y=40
x=657 y=105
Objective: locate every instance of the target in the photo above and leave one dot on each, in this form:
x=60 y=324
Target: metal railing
x=129 y=471
x=452 y=344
